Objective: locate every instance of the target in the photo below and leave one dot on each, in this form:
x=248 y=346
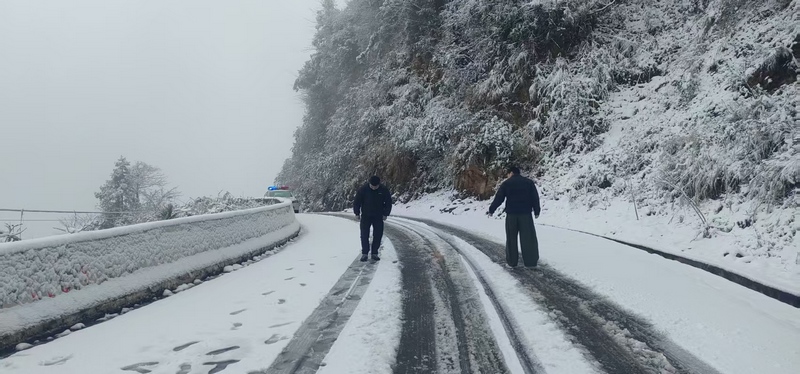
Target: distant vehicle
x=284 y=192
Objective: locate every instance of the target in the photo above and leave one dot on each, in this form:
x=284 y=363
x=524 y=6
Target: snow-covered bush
x=11 y=233
x=569 y=101
x=224 y=202
x=754 y=148
x=79 y=223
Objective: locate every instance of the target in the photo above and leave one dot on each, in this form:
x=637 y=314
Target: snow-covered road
x=439 y=302
x=241 y=320
x=648 y=304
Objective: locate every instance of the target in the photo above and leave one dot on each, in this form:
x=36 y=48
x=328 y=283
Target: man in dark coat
x=373 y=204
x=521 y=198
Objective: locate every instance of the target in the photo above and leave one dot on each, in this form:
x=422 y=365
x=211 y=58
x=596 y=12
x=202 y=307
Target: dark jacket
x=373 y=203
x=520 y=194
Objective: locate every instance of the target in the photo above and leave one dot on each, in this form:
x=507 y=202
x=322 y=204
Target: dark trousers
x=522 y=225
x=377 y=233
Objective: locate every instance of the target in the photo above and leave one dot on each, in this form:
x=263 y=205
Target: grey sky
x=200 y=88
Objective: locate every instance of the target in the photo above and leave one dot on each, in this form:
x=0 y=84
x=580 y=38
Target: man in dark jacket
x=373 y=204
x=521 y=198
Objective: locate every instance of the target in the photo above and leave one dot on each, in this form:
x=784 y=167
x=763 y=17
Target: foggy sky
x=200 y=88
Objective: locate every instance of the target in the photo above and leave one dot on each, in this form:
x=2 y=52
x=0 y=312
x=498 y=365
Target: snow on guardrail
x=45 y=268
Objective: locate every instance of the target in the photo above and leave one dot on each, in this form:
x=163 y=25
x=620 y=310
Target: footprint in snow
x=290 y=278
x=312 y=264
x=223 y=350
x=289 y=269
x=302 y=284
x=56 y=361
x=237 y=312
x=185 y=369
x=274 y=339
x=220 y=366
x=268 y=293
x=236 y=326
x=281 y=301
x=281 y=325
x=182 y=347
x=139 y=367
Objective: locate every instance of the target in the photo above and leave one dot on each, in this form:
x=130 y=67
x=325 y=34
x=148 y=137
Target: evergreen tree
x=118 y=196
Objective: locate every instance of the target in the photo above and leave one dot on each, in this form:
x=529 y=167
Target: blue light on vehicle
x=272 y=188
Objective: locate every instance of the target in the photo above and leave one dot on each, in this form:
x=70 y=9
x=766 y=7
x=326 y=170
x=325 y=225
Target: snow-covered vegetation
x=223 y=202
x=11 y=233
x=135 y=193
x=689 y=109
x=138 y=193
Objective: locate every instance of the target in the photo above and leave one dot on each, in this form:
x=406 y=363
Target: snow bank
x=45 y=268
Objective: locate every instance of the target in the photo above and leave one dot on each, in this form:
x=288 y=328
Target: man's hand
x=537 y=216
x=385 y=217
x=358 y=216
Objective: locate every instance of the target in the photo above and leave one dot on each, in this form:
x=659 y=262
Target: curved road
x=459 y=313
x=446 y=328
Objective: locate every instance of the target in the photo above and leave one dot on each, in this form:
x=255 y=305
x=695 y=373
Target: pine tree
x=118 y=196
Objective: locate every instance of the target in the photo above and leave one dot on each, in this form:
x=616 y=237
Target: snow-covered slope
x=703 y=158
x=685 y=112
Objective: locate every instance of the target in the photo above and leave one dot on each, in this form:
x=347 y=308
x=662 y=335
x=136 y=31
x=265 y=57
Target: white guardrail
x=47 y=277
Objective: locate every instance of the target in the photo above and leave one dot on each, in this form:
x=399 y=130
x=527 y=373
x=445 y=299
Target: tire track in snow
x=465 y=343
x=620 y=341
x=315 y=337
x=417 y=351
x=481 y=345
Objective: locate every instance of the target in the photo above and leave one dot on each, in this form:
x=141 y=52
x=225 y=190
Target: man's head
x=374 y=182
x=511 y=171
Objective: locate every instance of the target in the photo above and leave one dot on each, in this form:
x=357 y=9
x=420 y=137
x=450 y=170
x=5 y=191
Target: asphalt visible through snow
x=456 y=321
x=618 y=340
x=441 y=312
x=445 y=328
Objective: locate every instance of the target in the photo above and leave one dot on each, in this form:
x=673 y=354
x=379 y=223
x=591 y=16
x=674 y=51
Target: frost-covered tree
x=118 y=196
x=135 y=193
x=427 y=93
x=152 y=191
x=434 y=94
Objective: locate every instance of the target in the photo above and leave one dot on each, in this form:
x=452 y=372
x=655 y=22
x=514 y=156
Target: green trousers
x=521 y=225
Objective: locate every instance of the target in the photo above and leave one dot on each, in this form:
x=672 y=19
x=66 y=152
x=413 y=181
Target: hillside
x=689 y=108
